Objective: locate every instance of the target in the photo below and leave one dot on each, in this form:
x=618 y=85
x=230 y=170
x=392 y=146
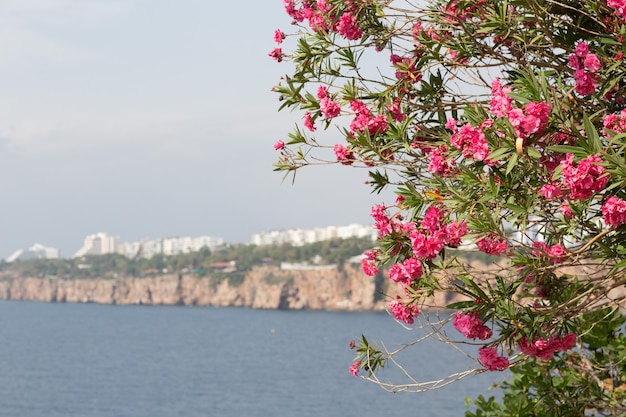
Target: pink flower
x=616 y=122
x=585 y=65
x=369 y=263
x=555 y=253
x=500 y=101
x=322 y=92
x=348 y=27
x=405 y=69
x=582 y=49
x=585 y=83
x=492 y=244
x=471 y=142
x=364 y=121
x=490 y=359
x=614 y=211
x=592 y=63
x=586 y=178
x=279 y=145
x=354 y=368
x=329 y=108
x=290 y=8
x=545 y=349
x=396 y=113
x=425 y=247
x=439 y=164
x=566 y=210
x=403 y=312
x=279 y=36
x=551 y=191
x=455 y=231
x=471 y=326
x=308 y=122
x=432 y=220
x=413 y=268
x=343 y=154
x=530 y=120
x=619 y=6
x=451 y=125
x=407 y=272
x=397 y=273
x=277 y=54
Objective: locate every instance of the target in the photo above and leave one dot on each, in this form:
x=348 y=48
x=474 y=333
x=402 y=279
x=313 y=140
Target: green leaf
x=461 y=305
x=533 y=153
x=511 y=164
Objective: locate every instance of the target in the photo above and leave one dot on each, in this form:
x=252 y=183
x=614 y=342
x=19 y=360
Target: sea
x=84 y=360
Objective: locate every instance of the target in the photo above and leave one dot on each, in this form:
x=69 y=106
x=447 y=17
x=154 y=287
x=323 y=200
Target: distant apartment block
x=147 y=248
x=37 y=251
x=98 y=244
x=299 y=237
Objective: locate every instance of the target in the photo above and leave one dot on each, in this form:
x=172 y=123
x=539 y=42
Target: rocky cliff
x=265 y=287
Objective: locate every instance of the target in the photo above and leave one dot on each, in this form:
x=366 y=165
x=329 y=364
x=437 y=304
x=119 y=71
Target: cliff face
x=265 y=287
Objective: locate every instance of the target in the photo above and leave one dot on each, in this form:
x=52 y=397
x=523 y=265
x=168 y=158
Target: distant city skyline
x=102 y=243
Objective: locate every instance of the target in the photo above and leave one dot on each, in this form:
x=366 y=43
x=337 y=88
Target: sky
x=152 y=118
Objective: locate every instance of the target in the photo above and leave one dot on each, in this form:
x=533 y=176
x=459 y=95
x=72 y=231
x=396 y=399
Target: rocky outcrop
x=264 y=287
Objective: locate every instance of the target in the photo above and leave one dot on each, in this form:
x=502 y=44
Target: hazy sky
x=151 y=118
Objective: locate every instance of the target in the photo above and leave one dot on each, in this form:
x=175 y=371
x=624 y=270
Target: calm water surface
x=136 y=361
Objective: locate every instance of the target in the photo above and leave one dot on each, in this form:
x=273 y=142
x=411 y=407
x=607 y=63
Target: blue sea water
x=83 y=360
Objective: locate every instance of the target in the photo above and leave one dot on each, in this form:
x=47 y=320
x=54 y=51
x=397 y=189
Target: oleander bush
x=501 y=128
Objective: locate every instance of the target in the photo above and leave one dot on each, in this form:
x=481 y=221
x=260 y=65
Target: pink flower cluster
x=585 y=66
x=555 y=253
x=470 y=141
x=439 y=163
x=406 y=272
x=463 y=13
x=354 y=368
x=348 y=27
x=279 y=36
x=308 y=121
x=365 y=122
x=279 y=145
x=323 y=17
x=492 y=244
x=382 y=222
x=614 y=211
x=435 y=234
x=403 y=312
x=545 y=349
x=329 y=108
x=616 y=122
x=586 y=178
x=532 y=119
x=370 y=263
x=395 y=111
x=471 y=326
x=343 y=154
x=619 y=6
x=501 y=103
x=490 y=359
x=551 y=191
x=405 y=69
x=277 y=54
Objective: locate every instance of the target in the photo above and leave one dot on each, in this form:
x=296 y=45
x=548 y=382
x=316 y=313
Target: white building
x=299 y=237
x=147 y=248
x=98 y=244
x=37 y=251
